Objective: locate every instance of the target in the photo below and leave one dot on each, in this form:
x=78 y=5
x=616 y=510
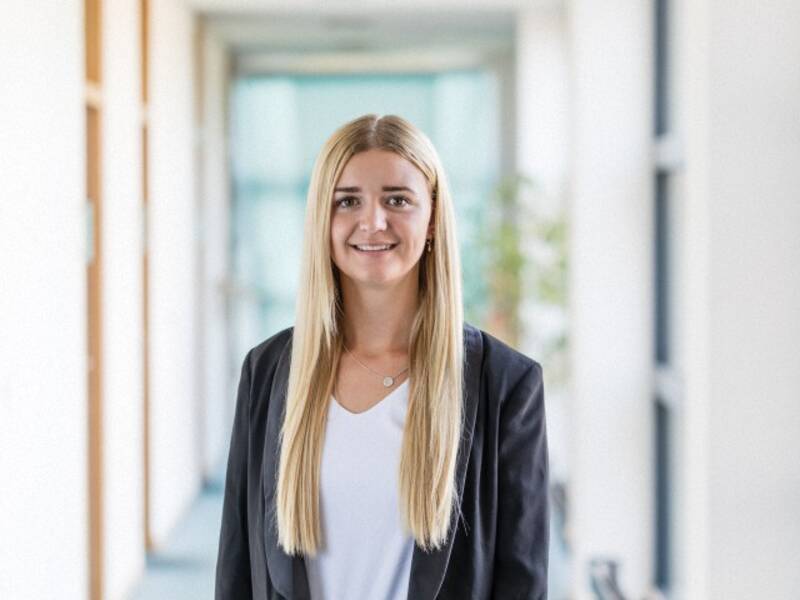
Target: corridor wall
x=172 y=233
x=43 y=389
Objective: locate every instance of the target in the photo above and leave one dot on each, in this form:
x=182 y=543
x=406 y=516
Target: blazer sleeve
x=233 y=556
x=523 y=533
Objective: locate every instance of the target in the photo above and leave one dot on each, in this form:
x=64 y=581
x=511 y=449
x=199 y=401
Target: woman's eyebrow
x=386 y=188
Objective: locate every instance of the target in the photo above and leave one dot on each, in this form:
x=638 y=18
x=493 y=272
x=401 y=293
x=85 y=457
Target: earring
x=428 y=245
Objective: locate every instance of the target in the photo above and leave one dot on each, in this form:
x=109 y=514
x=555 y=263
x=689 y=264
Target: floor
x=184 y=569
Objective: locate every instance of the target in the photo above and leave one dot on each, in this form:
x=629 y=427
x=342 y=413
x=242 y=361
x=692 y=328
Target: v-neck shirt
x=364 y=551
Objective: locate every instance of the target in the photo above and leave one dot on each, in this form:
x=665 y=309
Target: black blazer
x=500 y=548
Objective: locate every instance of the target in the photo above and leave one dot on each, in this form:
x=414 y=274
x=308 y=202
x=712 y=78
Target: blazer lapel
x=428 y=569
x=288 y=573
x=281 y=566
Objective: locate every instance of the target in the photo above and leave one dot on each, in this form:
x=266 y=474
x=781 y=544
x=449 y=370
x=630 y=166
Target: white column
x=740 y=92
x=542 y=106
x=541 y=131
x=43 y=350
x=611 y=282
x=216 y=202
x=123 y=389
x=175 y=475
x=541 y=138
x=691 y=107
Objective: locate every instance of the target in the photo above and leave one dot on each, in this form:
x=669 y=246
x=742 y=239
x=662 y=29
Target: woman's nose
x=373 y=218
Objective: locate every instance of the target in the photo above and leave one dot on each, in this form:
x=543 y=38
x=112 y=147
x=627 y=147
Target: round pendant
x=388 y=381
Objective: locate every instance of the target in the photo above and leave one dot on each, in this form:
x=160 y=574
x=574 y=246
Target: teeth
x=372 y=248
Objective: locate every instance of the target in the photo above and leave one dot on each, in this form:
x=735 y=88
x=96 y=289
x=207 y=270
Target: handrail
x=603 y=578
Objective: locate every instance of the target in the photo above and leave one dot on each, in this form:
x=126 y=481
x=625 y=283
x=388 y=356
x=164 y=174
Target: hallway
x=155 y=175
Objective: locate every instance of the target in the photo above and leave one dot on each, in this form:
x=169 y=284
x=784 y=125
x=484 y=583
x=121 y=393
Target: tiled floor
x=184 y=570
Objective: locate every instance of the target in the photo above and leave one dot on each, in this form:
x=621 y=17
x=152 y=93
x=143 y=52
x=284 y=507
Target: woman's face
x=381 y=198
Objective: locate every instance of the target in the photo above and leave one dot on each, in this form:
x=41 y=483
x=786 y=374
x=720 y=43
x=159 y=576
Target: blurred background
x=625 y=179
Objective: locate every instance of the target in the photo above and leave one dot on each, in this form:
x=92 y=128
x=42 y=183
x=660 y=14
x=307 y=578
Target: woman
x=382 y=448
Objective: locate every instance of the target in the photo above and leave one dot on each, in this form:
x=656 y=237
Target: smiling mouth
x=373 y=248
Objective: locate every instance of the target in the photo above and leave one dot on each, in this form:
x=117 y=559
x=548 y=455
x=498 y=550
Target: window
x=667 y=392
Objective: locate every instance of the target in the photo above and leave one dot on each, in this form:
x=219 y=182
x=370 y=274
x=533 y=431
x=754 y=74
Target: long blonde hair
x=427 y=491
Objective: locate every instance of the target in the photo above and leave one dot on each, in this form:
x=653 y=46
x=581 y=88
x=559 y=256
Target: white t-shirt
x=364 y=553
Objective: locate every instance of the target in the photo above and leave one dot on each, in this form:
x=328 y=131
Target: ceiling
x=269 y=36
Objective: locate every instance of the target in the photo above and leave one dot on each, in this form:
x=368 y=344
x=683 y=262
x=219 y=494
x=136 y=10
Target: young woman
x=383 y=448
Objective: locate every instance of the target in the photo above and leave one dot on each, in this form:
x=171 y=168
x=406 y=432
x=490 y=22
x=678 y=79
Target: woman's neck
x=378 y=320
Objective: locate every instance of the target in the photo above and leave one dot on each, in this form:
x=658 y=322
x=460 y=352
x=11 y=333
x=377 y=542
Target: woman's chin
x=376 y=278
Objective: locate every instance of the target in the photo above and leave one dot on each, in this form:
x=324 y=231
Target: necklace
x=388 y=381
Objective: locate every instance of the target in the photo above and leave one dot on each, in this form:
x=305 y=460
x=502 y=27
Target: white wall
x=543 y=97
x=43 y=370
x=123 y=389
x=610 y=282
x=172 y=236
x=542 y=136
x=218 y=393
x=741 y=90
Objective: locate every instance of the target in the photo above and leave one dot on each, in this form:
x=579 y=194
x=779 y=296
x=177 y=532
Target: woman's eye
x=402 y=198
x=344 y=201
x=341 y=202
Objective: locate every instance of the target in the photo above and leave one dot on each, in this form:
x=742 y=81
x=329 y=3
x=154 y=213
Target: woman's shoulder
x=504 y=364
x=268 y=352
x=499 y=360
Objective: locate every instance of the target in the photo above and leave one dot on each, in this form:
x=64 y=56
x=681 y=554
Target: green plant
x=524 y=244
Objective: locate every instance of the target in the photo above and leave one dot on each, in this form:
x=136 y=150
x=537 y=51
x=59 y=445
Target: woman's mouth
x=373 y=248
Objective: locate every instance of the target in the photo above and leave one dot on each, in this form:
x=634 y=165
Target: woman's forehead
x=378 y=168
